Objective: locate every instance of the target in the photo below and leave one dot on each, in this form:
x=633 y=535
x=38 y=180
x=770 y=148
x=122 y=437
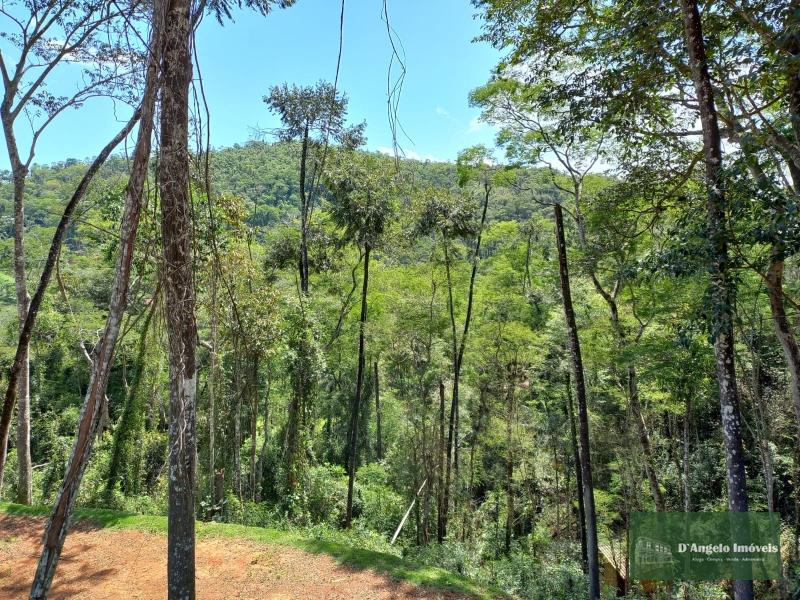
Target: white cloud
x=442 y=112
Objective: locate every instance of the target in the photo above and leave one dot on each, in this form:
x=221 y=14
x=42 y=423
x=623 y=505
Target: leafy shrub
x=357 y=536
x=325 y=494
x=381 y=508
x=259 y=514
x=450 y=555
x=538 y=580
x=10 y=480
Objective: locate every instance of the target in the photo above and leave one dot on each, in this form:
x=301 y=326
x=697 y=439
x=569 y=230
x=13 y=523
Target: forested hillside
x=487 y=365
x=514 y=503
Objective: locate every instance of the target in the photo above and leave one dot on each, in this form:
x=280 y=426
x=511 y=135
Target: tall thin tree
x=102 y=359
x=721 y=284
x=592 y=564
x=179 y=304
x=363 y=192
x=47 y=36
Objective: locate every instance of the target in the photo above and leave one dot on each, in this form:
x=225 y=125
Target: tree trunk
x=458 y=355
x=304 y=215
x=451 y=433
x=176 y=232
x=644 y=439
x=356 y=406
x=470 y=489
x=237 y=421
x=20 y=356
x=212 y=380
x=24 y=467
x=763 y=430
x=783 y=330
x=721 y=287
x=632 y=385
x=262 y=458
x=792 y=41
x=593 y=567
x=378 y=433
x=253 y=389
x=421 y=512
x=293 y=449
x=19 y=172
x=56 y=528
x=442 y=458
x=578 y=476
x=131 y=420
x=417 y=468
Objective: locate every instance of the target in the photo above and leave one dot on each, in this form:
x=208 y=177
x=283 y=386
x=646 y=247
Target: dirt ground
x=112 y=564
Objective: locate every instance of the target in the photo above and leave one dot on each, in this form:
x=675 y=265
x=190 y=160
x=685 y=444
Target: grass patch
x=358 y=558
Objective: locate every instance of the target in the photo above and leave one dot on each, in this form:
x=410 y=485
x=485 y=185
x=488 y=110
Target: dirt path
x=125 y=564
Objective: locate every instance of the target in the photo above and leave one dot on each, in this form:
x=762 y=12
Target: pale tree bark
x=24 y=465
x=592 y=564
x=20 y=361
x=721 y=286
x=176 y=233
x=102 y=359
x=19 y=173
x=25 y=489
x=67 y=29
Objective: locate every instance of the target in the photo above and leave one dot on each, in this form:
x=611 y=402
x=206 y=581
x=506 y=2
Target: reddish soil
x=112 y=564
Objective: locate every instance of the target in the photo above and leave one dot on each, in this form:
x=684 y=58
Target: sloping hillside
x=112 y=555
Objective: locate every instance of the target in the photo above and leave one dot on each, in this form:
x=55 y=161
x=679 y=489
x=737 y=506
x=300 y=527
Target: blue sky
x=241 y=60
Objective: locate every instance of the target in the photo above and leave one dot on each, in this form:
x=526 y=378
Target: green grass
x=359 y=558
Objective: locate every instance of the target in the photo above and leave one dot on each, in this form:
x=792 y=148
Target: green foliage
x=325 y=490
x=420 y=220
x=381 y=507
x=558 y=578
x=313 y=110
x=363 y=199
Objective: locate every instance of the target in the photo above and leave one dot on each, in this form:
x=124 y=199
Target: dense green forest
x=485 y=365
